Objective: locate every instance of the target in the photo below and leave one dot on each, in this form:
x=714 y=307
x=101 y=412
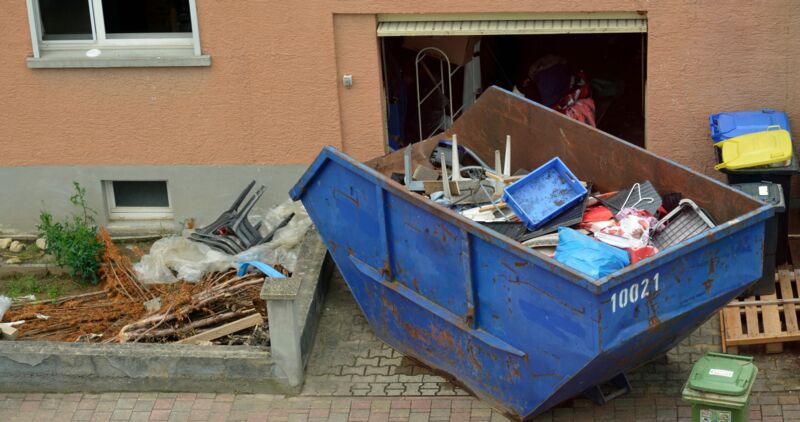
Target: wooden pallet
x=770 y=320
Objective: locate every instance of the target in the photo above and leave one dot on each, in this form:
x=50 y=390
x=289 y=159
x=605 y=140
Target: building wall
x=273 y=94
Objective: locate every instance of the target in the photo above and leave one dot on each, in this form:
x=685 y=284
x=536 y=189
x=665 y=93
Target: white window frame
x=136 y=213
x=102 y=40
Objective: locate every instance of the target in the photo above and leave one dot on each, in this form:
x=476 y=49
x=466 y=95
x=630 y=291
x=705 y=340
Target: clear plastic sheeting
x=5 y=303
x=178 y=258
x=284 y=246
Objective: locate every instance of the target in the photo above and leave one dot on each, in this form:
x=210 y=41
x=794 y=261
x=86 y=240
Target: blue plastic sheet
x=264 y=268
x=587 y=255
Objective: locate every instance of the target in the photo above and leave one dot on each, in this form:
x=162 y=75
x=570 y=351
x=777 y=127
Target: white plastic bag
x=178 y=258
x=5 y=303
x=285 y=245
x=631 y=230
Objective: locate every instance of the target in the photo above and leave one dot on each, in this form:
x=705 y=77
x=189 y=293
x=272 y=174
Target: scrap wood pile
x=188 y=308
x=117 y=313
x=553 y=212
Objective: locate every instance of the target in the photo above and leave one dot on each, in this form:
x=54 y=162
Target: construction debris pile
x=555 y=213
x=187 y=308
x=232 y=231
x=182 y=291
x=189 y=258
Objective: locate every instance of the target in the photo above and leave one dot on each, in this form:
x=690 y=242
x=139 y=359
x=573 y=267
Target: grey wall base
x=72 y=367
x=198 y=192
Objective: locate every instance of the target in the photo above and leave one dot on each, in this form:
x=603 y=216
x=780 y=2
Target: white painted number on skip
x=633 y=293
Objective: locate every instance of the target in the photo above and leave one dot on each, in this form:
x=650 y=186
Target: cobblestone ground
x=353 y=376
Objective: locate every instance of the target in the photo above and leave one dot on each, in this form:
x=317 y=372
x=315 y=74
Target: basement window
x=114 y=33
x=138 y=200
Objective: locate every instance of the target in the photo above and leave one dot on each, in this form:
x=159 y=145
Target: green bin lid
x=723 y=374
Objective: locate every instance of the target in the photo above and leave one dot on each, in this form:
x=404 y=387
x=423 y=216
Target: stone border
x=293 y=306
x=28 y=366
x=40 y=270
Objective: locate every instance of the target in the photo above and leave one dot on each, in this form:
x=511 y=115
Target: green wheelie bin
x=719 y=388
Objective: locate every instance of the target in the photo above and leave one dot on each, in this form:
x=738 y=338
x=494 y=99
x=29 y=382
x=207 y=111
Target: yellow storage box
x=755 y=149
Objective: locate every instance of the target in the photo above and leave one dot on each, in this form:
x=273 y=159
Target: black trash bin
x=770 y=193
x=779 y=175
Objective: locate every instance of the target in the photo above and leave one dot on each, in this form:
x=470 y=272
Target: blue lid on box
x=732 y=124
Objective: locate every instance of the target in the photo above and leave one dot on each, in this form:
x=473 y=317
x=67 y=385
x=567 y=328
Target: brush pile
x=117 y=313
x=188 y=308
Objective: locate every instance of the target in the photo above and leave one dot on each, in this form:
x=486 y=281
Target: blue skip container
x=544 y=193
x=519 y=329
x=732 y=124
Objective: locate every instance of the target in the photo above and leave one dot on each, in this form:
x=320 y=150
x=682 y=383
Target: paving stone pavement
x=348 y=360
x=181 y=407
x=353 y=376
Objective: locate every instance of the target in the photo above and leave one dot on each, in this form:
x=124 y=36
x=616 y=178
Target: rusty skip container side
x=515 y=327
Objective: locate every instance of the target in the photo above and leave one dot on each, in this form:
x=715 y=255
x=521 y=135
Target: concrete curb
x=73 y=367
x=39 y=270
x=294 y=306
x=293 y=317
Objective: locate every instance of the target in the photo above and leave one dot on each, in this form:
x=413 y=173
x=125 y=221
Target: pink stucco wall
x=273 y=93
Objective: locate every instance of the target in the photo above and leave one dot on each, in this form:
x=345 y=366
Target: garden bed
x=120 y=309
x=270 y=362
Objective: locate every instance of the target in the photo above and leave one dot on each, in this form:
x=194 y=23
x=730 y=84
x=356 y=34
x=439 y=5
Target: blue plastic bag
x=581 y=252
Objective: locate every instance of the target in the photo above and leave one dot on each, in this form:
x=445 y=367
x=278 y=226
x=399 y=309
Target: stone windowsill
x=54 y=59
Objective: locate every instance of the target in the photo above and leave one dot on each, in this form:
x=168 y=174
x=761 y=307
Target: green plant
x=73 y=241
x=24 y=286
x=53 y=292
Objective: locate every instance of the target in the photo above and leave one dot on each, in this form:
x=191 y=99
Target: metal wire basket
x=685 y=221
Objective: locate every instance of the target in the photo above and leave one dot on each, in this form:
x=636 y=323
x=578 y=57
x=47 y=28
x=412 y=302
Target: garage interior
x=597 y=63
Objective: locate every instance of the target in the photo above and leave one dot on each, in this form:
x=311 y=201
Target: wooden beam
x=722 y=331
x=224 y=330
x=9 y=332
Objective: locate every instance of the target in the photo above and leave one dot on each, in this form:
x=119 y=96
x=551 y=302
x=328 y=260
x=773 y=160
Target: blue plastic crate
x=729 y=125
x=544 y=193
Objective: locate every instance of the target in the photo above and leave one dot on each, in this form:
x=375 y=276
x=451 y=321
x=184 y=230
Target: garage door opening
x=596 y=73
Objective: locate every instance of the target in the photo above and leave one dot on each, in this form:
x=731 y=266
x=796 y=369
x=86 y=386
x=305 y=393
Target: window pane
x=146 y=16
x=65 y=19
x=141 y=194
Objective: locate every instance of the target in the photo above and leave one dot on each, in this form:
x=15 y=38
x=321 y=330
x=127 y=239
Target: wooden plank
x=9 y=332
x=224 y=330
x=491 y=207
x=789 y=313
x=771 y=316
x=432 y=186
x=733 y=323
x=762 y=339
x=751 y=318
x=425 y=173
x=722 y=332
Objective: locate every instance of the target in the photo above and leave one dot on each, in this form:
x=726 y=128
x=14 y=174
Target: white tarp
x=178 y=258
